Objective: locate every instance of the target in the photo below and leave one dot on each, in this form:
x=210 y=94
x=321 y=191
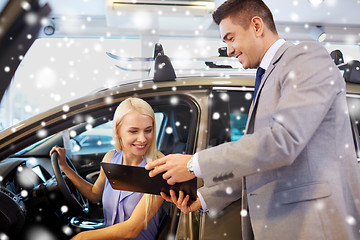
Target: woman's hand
x=181 y=202
x=61 y=154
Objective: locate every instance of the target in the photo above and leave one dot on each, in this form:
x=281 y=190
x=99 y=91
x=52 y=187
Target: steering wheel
x=74 y=199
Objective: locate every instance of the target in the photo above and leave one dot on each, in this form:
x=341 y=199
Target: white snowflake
x=351 y=220
x=169 y=130
x=64 y=209
x=279 y=118
x=294 y=17
x=40 y=233
x=248 y=96
x=216 y=115
x=3 y=236
x=31 y=18
x=320 y=205
x=26 y=177
x=108 y=100
x=24 y=193
x=229 y=190
x=243 y=213
x=77 y=148
x=73 y=133
x=292 y=75
x=28 y=108
x=42 y=133
x=174 y=100
x=67 y=230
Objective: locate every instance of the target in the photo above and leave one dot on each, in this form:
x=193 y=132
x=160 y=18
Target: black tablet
x=136 y=179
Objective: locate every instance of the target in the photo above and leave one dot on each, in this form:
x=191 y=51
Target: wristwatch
x=190 y=166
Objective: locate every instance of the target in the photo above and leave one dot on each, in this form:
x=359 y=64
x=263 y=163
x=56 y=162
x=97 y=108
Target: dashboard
x=19 y=180
x=25 y=175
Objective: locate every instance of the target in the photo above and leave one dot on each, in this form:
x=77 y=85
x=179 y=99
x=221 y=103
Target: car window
x=239 y=109
x=99 y=139
x=228 y=115
x=94 y=140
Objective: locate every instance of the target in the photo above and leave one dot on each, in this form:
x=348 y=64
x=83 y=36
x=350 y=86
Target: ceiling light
x=315 y=3
x=318 y=33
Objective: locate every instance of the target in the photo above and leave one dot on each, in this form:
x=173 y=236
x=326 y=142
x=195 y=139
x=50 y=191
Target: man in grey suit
x=295 y=169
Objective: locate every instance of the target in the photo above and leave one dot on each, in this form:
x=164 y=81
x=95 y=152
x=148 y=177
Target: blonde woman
x=127 y=214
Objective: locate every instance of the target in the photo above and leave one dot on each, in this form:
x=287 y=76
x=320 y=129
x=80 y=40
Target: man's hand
x=181 y=202
x=174 y=166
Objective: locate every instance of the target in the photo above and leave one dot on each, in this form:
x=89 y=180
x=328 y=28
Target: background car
x=193 y=113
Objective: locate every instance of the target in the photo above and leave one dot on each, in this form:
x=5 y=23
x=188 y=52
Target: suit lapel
x=250 y=123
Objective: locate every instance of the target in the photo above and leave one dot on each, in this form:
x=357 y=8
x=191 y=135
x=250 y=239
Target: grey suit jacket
x=296 y=166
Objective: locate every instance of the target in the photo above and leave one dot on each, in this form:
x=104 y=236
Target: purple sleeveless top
x=118 y=205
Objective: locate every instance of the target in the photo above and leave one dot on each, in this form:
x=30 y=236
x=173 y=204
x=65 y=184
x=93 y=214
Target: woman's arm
x=88 y=190
x=127 y=229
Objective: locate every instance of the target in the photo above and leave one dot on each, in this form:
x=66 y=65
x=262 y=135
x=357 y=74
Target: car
x=192 y=113
x=37 y=201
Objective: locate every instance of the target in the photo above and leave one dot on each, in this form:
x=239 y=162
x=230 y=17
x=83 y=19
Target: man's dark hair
x=242 y=11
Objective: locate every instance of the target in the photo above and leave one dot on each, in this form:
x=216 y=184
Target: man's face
x=241 y=43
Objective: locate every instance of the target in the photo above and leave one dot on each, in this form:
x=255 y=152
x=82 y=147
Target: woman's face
x=136 y=133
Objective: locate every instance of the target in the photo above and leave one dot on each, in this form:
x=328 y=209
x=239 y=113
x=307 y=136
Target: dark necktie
x=259 y=73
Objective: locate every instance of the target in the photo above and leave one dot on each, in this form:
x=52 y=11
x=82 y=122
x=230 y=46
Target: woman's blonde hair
x=129 y=105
